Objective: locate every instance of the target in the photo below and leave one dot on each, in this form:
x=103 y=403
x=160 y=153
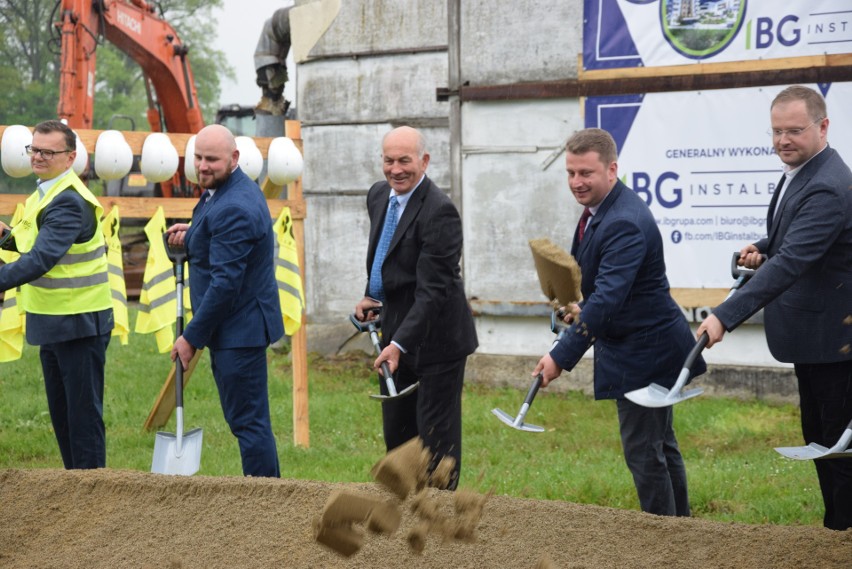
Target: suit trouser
x=432 y=412
x=825 y=395
x=654 y=459
x=241 y=378
x=74 y=383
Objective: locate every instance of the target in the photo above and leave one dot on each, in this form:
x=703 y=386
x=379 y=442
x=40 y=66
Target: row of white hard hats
x=159 y=161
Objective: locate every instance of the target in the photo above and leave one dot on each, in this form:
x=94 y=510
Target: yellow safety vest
x=111 y=224
x=287 y=273
x=12 y=321
x=79 y=282
x=158 y=297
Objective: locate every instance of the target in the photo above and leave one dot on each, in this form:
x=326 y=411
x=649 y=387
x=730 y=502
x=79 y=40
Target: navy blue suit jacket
x=806 y=283
x=426 y=310
x=639 y=333
x=232 y=287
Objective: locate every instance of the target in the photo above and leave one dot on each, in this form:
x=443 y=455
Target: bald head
x=404 y=158
x=216 y=155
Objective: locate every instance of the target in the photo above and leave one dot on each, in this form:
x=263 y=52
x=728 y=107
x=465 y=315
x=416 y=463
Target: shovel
x=178 y=453
x=518 y=421
x=372 y=327
x=656 y=395
x=814 y=451
x=557 y=326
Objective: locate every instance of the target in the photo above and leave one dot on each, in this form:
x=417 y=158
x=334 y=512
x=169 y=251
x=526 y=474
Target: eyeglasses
x=791 y=132
x=46 y=154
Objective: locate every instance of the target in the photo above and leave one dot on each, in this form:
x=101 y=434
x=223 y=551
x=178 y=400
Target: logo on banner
x=699 y=29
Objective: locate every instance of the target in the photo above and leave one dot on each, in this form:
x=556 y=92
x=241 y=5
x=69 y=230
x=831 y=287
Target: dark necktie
x=377 y=291
x=584 y=219
x=774 y=202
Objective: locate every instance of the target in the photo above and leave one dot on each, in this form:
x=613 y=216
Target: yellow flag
x=110 y=227
x=287 y=273
x=12 y=318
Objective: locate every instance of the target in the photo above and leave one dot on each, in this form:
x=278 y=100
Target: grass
x=734 y=474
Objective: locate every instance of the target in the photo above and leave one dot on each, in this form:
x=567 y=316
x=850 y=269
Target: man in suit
x=64 y=280
x=805 y=284
x=427 y=326
x=233 y=292
x=639 y=333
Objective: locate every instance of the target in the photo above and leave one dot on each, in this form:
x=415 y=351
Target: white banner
x=705 y=164
x=634 y=33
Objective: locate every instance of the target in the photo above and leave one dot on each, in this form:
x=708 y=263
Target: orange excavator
x=134 y=27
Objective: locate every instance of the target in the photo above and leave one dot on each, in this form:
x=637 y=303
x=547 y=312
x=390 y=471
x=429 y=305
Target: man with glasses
x=64 y=290
x=805 y=284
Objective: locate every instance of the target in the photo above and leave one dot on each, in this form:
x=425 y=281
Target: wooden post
x=299 y=341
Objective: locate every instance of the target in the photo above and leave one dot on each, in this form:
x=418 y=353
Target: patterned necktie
x=584 y=219
x=377 y=291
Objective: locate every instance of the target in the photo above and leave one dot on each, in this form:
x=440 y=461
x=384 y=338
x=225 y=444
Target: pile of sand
x=117 y=519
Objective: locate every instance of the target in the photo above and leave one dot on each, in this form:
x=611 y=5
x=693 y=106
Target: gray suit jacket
x=806 y=283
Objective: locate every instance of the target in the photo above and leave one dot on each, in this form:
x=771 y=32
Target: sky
x=239 y=25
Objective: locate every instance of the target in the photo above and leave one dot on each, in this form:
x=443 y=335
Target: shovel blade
x=404 y=393
x=168 y=459
x=520 y=425
x=812 y=451
x=656 y=395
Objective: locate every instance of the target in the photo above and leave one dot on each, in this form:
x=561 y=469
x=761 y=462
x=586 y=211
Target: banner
x=646 y=33
x=705 y=164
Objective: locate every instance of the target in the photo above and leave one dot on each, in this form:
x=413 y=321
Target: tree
x=29 y=63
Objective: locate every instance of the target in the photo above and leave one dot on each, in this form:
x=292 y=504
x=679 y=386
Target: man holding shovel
x=639 y=333
x=234 y=295
x=414 y=275
x=805 y=284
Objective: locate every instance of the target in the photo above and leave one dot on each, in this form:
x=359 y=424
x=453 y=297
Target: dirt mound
x=117 y=519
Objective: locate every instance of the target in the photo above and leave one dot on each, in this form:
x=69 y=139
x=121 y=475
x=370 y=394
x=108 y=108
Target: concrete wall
x=376 y=64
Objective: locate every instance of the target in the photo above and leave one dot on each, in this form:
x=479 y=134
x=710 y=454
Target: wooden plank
x=144 y=208
x=699 y=297
x=299 y=341
x=165 y=402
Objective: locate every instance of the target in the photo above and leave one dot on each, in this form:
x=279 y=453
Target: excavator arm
x=134 y=28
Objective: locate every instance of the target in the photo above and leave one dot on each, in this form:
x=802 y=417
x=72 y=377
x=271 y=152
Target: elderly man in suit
x=639 y=333
x=63 y=275
x=235 y=308
x=414 y=275
x=805 y=284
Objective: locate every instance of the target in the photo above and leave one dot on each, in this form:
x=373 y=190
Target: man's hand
x=177 y=234
x=750 y=258
x=362 y=309
x=184 y=350
x=390 y=355
x=569 y=313
x=548 y=369
x=714 y=328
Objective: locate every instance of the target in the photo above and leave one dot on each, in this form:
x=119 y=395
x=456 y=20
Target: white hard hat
x=82 y=159
x=251 y=160
x=159 y=158
x=113 y=156
x=189 y=161
x=13 y=152
x=285 y=163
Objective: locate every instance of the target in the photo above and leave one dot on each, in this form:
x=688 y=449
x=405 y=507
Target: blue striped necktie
x=376 y=289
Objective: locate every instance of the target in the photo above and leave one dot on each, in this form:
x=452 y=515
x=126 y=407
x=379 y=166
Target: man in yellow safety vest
x=64 y=289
